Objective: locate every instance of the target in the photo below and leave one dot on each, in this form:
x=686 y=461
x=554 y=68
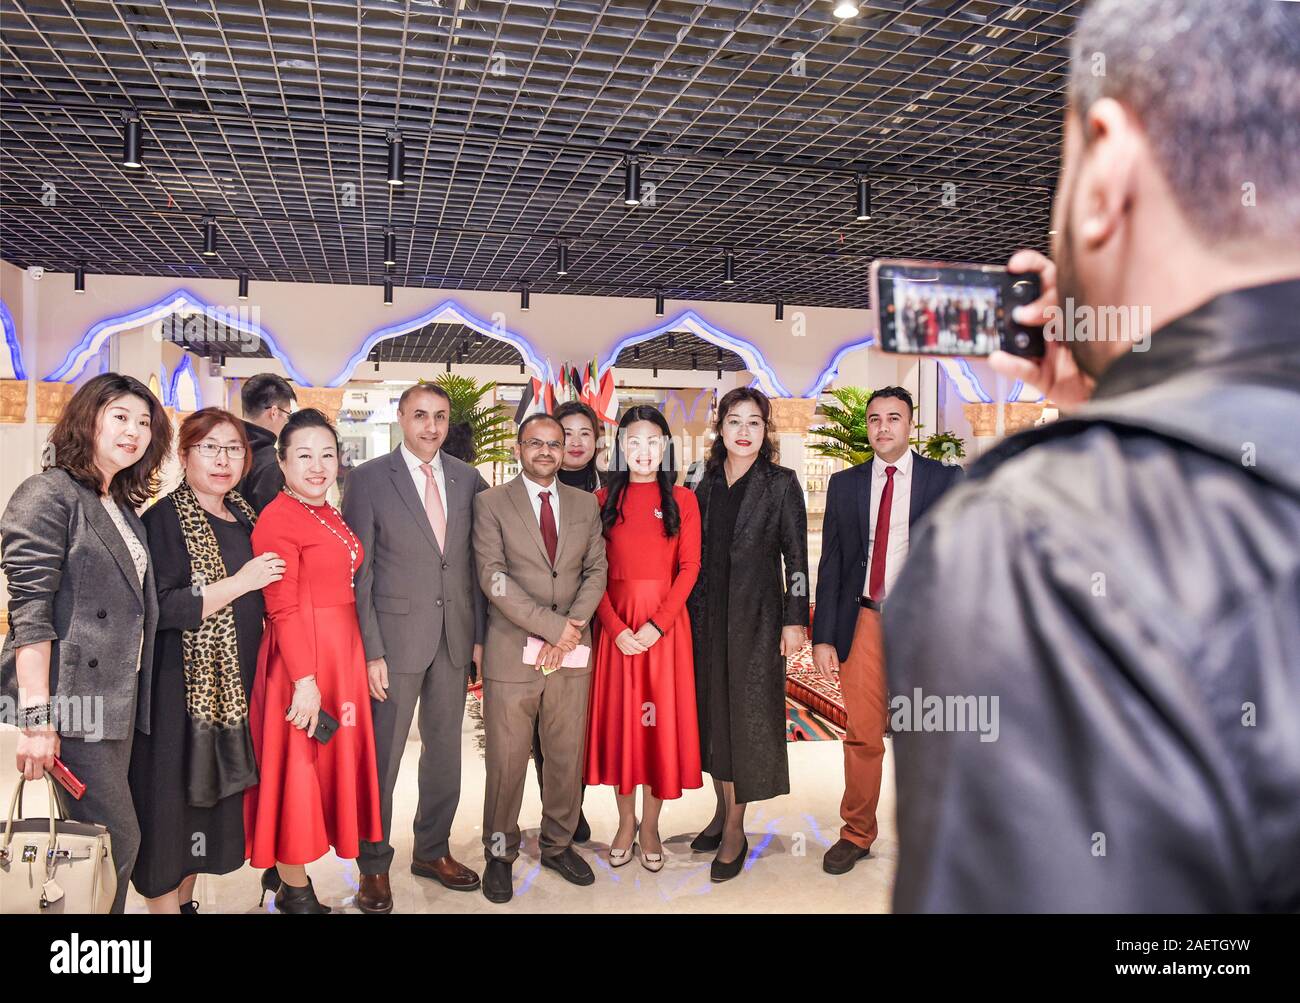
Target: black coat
x=846 y=529
x=771 y=528
x=264 y=478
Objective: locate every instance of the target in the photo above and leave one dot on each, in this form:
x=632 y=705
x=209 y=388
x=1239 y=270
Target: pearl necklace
x=352 y=550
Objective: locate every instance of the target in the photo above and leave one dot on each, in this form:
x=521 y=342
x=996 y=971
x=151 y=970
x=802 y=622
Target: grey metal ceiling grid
x=262 y=115
x=679 y=350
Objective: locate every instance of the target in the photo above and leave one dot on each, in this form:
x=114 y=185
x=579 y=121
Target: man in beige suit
x=540 y=552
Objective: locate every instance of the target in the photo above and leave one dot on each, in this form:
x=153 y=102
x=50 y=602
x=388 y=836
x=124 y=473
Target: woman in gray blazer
x=78 y=657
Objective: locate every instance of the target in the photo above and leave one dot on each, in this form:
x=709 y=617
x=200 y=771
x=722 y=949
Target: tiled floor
x=787 y=838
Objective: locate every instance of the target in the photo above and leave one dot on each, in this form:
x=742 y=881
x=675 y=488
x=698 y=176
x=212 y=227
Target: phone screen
x=940 y=311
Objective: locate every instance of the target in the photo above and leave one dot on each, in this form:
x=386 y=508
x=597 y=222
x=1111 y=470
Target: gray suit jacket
x=71 y=581
x=528 y=595
x=409 y=591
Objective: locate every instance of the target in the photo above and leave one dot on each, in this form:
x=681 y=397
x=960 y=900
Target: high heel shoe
x=270 y=883
x=617 y=858
x=719 y=871
x=652 y=862
x=299 y=900
x=704 y=843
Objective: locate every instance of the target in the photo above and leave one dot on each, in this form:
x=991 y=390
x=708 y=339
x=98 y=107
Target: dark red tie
x=876 y=588
x=549 y=535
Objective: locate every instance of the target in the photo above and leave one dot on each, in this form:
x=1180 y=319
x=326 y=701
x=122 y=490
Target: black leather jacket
x=1127 y=583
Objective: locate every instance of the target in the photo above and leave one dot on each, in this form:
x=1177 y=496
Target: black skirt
x=176 y=838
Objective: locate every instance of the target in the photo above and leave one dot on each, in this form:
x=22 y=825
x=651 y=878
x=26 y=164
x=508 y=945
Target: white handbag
x=53 y=865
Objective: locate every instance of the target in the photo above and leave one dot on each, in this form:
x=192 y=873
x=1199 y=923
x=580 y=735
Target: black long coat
x=771 y=530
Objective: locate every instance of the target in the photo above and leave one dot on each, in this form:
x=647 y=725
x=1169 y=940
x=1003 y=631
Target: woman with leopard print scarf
x=189 y=774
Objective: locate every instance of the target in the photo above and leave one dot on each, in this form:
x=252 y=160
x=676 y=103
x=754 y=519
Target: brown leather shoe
x=841 y=857
x=448 y=871
x=373 y=894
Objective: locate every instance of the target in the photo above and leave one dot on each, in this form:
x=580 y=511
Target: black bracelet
x=656 y=627
x=33 y=716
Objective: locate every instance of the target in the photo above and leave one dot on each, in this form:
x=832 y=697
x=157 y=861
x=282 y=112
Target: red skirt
x=642 y=726
x=309 y=796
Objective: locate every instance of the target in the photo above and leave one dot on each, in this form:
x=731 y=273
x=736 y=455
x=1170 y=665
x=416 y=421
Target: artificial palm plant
x=844 y=434
x=492 y=425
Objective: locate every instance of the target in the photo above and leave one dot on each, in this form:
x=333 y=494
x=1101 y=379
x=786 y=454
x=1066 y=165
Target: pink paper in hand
x=575 y=659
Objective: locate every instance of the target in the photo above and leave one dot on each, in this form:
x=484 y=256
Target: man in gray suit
x=422 y=619
x=540 y=552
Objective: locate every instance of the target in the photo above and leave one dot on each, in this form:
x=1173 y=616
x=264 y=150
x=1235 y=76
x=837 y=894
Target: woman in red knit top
x=642 y=729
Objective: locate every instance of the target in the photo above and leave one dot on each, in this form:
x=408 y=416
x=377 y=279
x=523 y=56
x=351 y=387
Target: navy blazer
x=846 y=530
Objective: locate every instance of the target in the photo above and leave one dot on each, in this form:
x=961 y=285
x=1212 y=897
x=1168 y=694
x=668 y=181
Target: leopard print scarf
x=220 y=759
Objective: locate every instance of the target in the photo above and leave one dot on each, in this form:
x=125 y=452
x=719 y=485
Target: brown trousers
x=865 y=689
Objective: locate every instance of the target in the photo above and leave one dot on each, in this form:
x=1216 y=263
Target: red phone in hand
x=67 y=779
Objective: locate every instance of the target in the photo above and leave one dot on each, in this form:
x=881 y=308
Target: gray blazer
x=529 y=596
x=409 y=591
x=71 y=581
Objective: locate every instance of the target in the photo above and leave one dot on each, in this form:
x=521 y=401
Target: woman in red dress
x=643 y=729
x=310 y=795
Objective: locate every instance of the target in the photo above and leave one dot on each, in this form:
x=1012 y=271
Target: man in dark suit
x=870 y=511
x=422 y=619
x=266 y=400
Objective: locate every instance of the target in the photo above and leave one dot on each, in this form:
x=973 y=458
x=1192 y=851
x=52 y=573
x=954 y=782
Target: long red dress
x=310 y=796
x=642 y=726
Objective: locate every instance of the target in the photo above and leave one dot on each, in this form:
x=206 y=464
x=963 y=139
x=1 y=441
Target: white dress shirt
x=899 y=509
x=534 y=495
x=417 y=475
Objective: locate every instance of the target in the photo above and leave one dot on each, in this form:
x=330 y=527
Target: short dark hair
x=569 y=408
x=897 y=392
x=308 y=417
x=540 y=416
x=423 y=388
x=263 y=391
x=1216 y=87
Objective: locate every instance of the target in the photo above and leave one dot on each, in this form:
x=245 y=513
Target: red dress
x=310 y=796
x=642 y=726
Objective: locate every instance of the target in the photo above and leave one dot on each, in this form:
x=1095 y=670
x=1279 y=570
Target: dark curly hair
x=619 y=477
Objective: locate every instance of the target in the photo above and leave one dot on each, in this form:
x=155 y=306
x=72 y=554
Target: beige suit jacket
x=526 y=594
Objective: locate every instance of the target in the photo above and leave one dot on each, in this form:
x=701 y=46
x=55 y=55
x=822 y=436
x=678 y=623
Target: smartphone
x=949 y=308
x=326 y=725
x=67 y=779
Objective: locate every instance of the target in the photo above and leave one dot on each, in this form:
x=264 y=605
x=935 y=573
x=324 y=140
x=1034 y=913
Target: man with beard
x=1130 y=574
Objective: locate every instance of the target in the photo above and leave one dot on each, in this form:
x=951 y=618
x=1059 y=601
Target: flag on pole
x=590 y=385
x=605 y=402
x=531 y=401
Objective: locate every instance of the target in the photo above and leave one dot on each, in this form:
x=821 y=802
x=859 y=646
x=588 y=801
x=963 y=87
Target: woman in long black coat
x=749 y=611
x=189 y=773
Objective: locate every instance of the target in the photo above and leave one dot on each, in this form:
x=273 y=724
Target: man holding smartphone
x=1130 y=575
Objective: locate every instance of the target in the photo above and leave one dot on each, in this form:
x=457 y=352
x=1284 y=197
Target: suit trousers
x=865 y=690
x=440 y=693
x=103 y=766
x=557 y=704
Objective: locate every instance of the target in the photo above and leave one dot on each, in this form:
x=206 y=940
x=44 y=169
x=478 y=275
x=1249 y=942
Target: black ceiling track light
x=523 y=296
x=132 y=140
x=79 y=278
x=243 y=285
x=728 y=267
x=388 y=291
x=390 y=246
x=561 y=257
x=209 y=236
x=780 y=308
x=672 y=341
x=396 y=160
x=631 y=181
x=659 y=302
x=864 y=199
x=636 y=353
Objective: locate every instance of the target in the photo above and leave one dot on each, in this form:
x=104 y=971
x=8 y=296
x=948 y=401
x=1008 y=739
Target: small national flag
x=605 y=403
x=530 y=402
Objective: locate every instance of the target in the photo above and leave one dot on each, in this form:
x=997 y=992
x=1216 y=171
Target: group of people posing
x=234 y=674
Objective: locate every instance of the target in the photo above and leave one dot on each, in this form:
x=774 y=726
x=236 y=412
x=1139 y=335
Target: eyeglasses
x=287 y=414
x=538 y=444
x=211 y=449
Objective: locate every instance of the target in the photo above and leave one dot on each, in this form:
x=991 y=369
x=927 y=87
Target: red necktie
x=549 y=535
x=876 y=588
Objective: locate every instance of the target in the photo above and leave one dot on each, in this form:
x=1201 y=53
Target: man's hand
x=550 y=656
x=825 y=660
x=1056 y=374
x=377 y=677
x=571 y=637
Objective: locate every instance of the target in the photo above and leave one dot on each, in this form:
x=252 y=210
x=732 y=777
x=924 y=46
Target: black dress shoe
x=299 y=900
x=704 y=843
x=498 y=883
x=571 y=866
x=841 y=857
x=583 y=832
x=718 y=871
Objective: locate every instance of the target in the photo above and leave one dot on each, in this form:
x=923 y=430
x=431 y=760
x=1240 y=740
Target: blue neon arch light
x=183 y=368
x=964 y=378
x=446 y=312
x=689 y=320
x=833 y=367
x=11 y=341
x=174 y=302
